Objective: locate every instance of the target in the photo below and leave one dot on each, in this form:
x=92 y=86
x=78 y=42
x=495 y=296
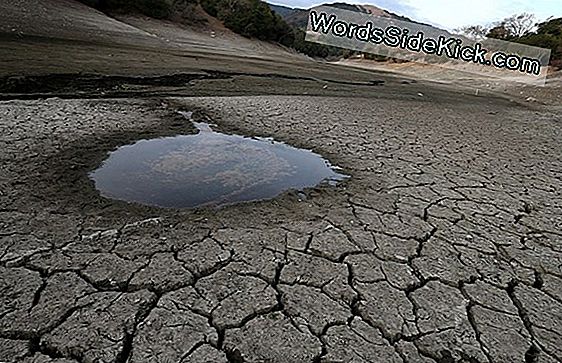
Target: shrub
x=548 y=35
x=158 y=9
x=250 y=18
x=154 y=8
x=92 y=3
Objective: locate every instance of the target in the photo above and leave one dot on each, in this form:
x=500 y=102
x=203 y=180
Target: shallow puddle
x=208 y=169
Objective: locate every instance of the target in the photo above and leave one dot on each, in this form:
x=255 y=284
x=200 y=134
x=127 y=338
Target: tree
x=499 y=32
x=519 y=25
x=159 y=9
x=513 y=27
x=548 y=35
x=475 y=32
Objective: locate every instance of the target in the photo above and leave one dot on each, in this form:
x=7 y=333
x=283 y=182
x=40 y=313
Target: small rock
x=528 y=207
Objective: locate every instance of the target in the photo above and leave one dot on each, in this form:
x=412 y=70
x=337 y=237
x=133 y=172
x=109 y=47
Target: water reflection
x=208 y=169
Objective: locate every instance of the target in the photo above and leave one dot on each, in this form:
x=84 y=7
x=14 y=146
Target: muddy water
x=208 y=169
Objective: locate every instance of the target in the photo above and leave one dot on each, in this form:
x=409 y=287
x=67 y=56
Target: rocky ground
x=443 y=246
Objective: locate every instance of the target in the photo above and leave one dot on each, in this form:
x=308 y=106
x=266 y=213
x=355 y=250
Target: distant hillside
x=250 y=18
x=299 y=17
x=285 y=25
x=283 y=11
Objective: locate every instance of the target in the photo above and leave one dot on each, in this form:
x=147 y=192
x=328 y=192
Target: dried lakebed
x=208 y=169
x=444 y=246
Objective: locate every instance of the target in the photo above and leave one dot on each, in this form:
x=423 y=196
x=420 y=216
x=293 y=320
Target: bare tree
x=475 y=32
x=519 y=25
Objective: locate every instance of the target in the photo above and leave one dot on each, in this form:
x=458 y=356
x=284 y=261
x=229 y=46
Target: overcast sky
x=452 y=14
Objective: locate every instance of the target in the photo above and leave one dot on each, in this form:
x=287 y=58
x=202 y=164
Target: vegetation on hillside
x=548 y=35
x=255 y=19
x=250 y=18
x=523 y=29
x=158 y=9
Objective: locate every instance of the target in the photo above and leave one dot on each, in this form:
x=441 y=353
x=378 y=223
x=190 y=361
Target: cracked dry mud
x=444 y=246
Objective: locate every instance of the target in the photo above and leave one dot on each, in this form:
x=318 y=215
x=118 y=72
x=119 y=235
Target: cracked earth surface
x=444 y=246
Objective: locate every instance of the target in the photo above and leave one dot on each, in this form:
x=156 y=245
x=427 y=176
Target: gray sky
x=452 y=14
